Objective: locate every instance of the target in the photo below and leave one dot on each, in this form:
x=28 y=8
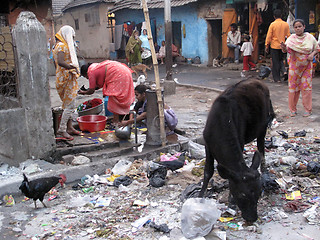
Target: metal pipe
x=135 y=125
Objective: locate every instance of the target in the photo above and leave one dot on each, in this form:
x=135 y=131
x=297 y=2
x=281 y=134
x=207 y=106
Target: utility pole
x=169 y=85
x=168 y=38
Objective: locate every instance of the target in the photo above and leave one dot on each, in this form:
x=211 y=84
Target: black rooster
x=36 y=189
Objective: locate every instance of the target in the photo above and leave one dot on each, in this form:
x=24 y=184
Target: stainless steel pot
x=123 y=132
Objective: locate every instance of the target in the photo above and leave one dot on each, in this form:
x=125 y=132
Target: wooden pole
x=156 y=73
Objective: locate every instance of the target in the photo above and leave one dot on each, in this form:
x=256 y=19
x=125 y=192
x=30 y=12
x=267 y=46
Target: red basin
x=92 y=123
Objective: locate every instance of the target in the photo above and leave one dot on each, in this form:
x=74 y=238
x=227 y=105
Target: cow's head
x=245 y=188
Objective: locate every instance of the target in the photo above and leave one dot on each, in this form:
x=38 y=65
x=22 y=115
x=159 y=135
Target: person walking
x=133 y=49
x=67 y=73
x=301 y=47
x=247 y=49
x=278 y=32
x=233 y=41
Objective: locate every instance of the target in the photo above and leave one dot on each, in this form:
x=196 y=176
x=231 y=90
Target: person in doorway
x=67 y=73
x=144 y=39
x=116 y=82
x=133 y=49
x=301 y=47
x=278 y=32
x=247 y=49
x=175 y=51
x=233 y=41
x=140 y=107
x=162 y=52
x=156 y=47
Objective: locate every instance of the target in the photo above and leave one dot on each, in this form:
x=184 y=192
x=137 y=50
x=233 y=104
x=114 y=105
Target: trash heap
x=157 y=198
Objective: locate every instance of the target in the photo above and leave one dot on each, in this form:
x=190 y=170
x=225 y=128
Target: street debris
x=141 y=199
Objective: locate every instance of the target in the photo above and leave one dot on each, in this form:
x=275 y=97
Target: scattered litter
x=302 y=133
x=225 y=219
x=140 y=223
x=80 y=160
x=198 y=215
x=9 y=200
x=196 y=150
x=156 y=174
x=283 y=134
x=294 y=195
x=121 y=167
x=268 y=182
x=124 y=180
x=233 y=226
x=311 y=215
x=161 y=227
x=313 y=167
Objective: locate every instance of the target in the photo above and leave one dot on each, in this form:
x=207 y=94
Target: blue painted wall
x=194 y=44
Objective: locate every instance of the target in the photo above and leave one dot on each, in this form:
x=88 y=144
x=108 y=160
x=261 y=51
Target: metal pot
x=123 y=132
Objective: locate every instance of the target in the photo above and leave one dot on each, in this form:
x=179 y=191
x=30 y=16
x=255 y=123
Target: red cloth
x=118 y=84
x=246 y=62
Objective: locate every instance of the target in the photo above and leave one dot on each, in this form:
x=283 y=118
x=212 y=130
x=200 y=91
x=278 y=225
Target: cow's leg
x=261 y=146
x=208 y=172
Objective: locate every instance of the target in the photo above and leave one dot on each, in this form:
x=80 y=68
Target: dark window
x=76 y=23
x=87 y=17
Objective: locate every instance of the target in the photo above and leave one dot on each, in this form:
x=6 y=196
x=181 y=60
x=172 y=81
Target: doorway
x=214 y=39
x=176 y=34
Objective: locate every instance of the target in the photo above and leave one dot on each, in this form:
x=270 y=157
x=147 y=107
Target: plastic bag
x=264 y=71
x=121 y=167
x=198 y=216
x=196 y=150
x=170 y=118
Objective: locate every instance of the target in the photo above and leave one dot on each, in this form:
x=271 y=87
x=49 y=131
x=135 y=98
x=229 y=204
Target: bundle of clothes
x=89 y=104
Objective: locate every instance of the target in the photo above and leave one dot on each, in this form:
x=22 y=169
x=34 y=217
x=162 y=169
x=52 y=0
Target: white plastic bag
x=196 y=150
x=198 y=215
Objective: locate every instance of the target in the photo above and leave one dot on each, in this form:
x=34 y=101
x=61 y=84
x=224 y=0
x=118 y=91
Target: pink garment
x=118 y=85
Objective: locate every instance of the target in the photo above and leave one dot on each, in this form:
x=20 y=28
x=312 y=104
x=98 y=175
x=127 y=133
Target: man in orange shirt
x=278 y=32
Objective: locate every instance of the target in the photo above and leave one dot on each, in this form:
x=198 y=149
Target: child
x=247 y=50
x=140 y=107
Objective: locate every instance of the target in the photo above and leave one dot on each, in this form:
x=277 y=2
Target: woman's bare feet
x=73 y=131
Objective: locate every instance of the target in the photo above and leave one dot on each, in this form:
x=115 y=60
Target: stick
x=156 y=73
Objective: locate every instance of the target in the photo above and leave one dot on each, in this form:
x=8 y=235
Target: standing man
x=233 y=41
x=277 y=33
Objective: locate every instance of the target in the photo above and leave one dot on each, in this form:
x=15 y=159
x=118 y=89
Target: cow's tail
x=272 y=115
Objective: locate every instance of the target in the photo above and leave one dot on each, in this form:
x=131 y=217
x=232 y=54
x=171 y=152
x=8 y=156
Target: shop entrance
x=214 y=39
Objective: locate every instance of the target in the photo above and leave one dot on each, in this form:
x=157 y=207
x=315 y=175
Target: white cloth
x=118 y=36
x=247 y=48
x=234 y=38
x=68 y=34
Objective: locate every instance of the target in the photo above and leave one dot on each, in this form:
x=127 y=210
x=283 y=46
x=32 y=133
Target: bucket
x=106 y=111
x=56 y=117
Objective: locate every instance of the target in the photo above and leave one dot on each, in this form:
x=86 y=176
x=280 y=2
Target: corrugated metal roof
x=58 y=5
x=77 y=3
x=136 y=4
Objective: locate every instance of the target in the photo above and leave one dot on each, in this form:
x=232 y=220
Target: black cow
x=238 y=116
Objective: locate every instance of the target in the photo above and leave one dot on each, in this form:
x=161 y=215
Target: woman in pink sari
x=116 y=82
x=301 y=48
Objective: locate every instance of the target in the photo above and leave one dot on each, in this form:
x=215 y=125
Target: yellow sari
x=66 y=82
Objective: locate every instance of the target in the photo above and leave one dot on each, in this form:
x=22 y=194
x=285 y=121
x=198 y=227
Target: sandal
x=62 y=138
x=293 y=114
x=307 y=114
